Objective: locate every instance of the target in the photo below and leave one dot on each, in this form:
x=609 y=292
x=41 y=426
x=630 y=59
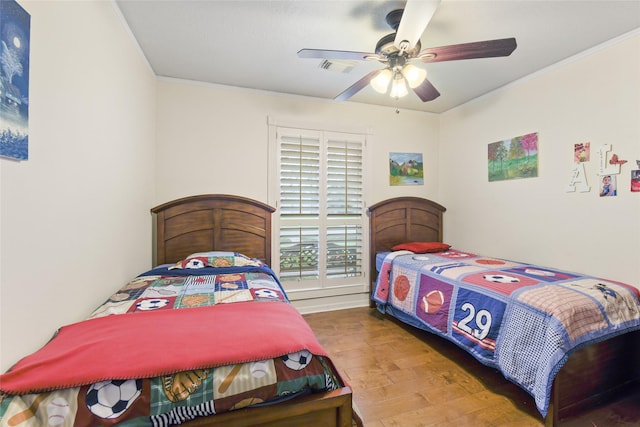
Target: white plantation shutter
x=299 y=160
x=344 y=206
x=344 y=251
x=320 y=206
x=344 y=177
x=299 y=176
x=299 y=253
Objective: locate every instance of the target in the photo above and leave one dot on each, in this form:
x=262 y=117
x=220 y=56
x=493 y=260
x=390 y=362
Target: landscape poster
x=513 y=158
x=15 y=26
x=406 y=169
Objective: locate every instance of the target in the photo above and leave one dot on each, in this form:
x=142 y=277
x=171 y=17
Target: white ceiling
x=254 y=44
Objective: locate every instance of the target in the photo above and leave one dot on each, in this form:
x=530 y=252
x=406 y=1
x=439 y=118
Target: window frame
x=322 y=286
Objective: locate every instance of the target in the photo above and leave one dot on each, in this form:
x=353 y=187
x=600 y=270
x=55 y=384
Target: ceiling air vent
x=337 y=65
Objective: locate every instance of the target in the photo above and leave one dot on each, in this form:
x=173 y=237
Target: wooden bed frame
x=592 y=374
x=238 y=224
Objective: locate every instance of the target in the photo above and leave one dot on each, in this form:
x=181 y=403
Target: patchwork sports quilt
x=210 y=334
x=522 y=319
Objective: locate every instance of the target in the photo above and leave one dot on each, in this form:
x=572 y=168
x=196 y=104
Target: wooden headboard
x=400 y=220
x=212 y=222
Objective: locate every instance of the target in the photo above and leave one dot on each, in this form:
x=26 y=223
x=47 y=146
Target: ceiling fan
x=398 y=50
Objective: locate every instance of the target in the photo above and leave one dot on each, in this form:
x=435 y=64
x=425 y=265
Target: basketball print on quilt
x=403 y=285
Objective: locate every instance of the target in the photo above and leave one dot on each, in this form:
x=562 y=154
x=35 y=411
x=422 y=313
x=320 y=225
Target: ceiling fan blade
x=416 y=16
x=483 y=49
x=338 y=54
x=426 y=91
x=357 y=86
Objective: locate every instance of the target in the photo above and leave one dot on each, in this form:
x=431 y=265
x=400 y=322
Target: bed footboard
x=596 y=374
x=332 y=409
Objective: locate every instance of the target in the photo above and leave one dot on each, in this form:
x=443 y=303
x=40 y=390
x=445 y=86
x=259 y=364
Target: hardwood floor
x=402 y=377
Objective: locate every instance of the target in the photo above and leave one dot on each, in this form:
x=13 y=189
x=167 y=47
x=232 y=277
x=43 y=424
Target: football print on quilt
x=434 y=299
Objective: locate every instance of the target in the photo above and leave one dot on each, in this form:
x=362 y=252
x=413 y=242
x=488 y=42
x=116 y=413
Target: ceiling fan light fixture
x=381 y=82
x=398 y=87
x=414 y=75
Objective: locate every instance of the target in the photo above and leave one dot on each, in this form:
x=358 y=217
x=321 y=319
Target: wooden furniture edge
x=376 y=224
x=217 y=206
x=338 y=401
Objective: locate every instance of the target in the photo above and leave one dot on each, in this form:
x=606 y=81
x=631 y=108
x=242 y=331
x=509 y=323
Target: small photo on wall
x=635 y=181
x=608 y=186
x=581 y=152
x=406 y=169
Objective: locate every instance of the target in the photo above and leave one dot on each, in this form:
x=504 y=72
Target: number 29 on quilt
x=476 y=321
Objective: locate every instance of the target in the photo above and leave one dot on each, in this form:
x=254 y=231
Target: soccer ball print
x=500 y=278
x=149 y=304
x=298 y=360
x=265 y=293
x=195 y=263
x=109 y=399
x=504 y=282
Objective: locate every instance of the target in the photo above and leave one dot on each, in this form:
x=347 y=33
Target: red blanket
x=151 y=344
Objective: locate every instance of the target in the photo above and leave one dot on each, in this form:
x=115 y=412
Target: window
x=320 y=222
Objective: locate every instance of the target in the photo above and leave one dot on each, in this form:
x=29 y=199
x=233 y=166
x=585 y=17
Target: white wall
x=214 y=139
x=592 y=98
x=75 y=216
x=96 y=127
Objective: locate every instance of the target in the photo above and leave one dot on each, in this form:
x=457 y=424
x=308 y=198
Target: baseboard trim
x=341 y=302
